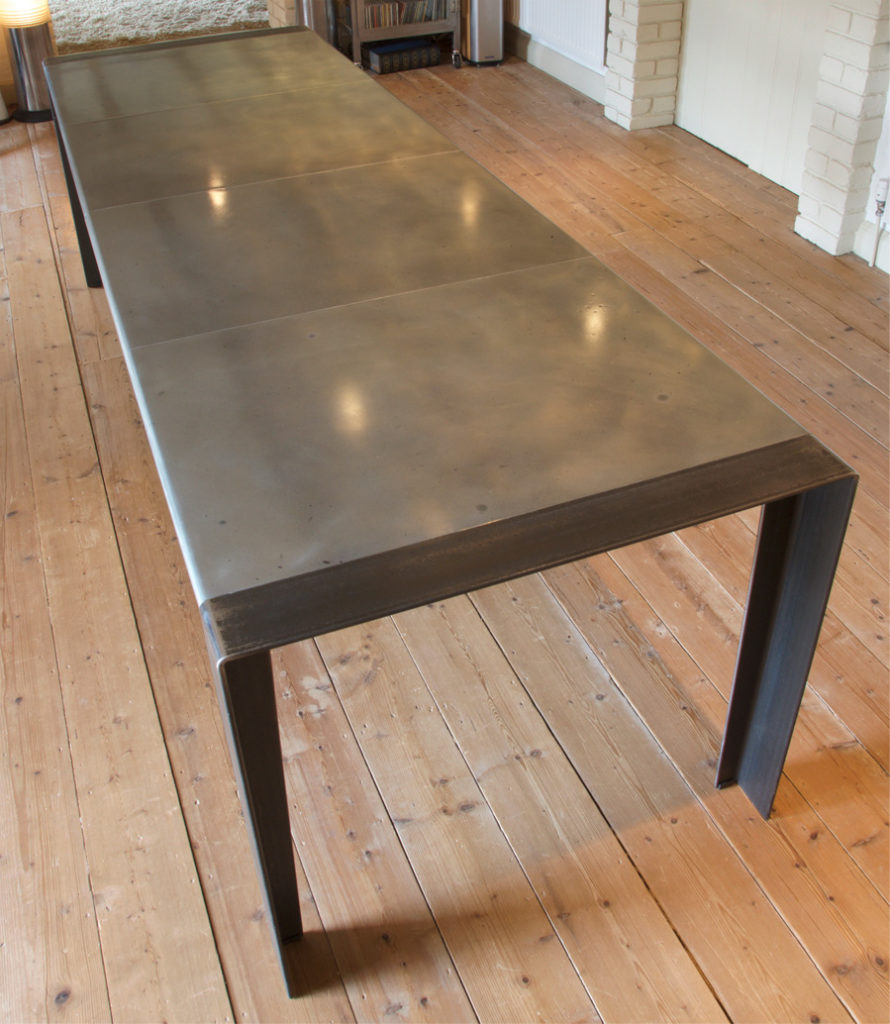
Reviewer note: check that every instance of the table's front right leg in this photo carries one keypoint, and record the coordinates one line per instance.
(798, 548)
(247, 700)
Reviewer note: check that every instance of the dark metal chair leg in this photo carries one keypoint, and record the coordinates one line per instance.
(247, 696)
(798, 547)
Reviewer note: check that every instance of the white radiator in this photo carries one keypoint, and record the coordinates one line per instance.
(573, 28)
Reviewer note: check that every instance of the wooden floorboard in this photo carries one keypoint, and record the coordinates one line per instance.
(502, 805)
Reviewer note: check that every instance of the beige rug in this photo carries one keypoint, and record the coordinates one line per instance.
(97, 24)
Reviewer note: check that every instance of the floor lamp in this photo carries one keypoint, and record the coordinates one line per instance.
(30, 41)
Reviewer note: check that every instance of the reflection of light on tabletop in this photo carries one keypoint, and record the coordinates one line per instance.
(595, 321)
(219, 199)
(469, 206)
(352, 413)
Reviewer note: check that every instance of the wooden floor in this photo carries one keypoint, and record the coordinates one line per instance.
(502, 805)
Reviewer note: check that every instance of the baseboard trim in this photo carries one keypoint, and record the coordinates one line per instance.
(590, 81)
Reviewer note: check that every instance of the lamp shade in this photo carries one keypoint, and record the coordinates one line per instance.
(24, 13)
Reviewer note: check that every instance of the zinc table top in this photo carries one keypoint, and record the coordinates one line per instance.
(349, 341)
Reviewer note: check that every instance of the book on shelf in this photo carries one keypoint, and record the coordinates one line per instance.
(386, 13)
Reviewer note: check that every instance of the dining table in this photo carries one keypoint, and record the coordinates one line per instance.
(373, 376)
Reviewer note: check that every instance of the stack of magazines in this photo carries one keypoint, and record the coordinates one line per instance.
(404, 55)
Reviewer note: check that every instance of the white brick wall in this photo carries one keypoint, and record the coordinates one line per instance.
(846, 125)
(642, 62)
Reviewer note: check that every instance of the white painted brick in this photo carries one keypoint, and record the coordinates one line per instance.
(850, 51)
(831, 69)
(860, 179)
(870, 8)
(619, 26)
(622, 31)
(808, 207)
(855, 79)
(622, 104)
(624, 86)
(819, 236)
(839, 175)
(653, 120)
(809, 182)
(822, 191)
(863, 153)
(656, 87)
(847, 128)
(620, 65)
(873, 105)
(832, 220)
(613, 81)
(870, 129)
(832, 202)
(838, 20)
(837, 98)
(659, 49)
(670, 30)
(660, 13)
(841, 151)
(664, 104)
(823, 117)
(642, 61)
(669, 68)
(816, 162)
(880, 58)
(615, 115)
(822, 141)
(869, 30)
(846, 238)
(810, 230)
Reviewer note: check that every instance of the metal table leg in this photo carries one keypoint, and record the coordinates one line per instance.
(87, 256)
(247, 697)
(798, 547)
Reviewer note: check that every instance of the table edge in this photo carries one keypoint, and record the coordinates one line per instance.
(275, 614)
(211, 37)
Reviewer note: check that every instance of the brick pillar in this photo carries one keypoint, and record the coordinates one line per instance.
(642, 62)
(850, 101)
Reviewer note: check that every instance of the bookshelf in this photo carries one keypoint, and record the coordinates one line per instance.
(360, 22)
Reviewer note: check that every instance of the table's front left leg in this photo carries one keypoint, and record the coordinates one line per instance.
(247, 700)
(798, 547)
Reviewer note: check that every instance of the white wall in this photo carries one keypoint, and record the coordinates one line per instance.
(748, 77)
(565, 38)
